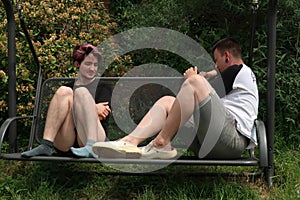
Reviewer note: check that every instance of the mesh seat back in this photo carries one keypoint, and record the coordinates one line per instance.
(138, 93)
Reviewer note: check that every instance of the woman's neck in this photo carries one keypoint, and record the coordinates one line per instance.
(84, 81)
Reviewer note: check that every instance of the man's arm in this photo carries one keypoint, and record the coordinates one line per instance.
(209, 75)
(193, 71)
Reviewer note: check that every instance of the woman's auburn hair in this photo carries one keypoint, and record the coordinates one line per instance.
(82, 50)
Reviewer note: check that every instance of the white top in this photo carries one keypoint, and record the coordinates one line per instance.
(242, 103)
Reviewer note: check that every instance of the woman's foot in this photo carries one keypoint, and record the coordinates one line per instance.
(85, 151)
(41, 150)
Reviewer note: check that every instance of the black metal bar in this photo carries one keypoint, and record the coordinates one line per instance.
(40, 78)
(271, 64)
(27, 36)
(187, 160)
(252, 34)
(12, 107)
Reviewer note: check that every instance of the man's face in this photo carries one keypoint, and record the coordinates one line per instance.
(89, 66)
(220, 60)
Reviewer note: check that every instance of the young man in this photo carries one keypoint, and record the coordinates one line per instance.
(230, 119)
(77, 113)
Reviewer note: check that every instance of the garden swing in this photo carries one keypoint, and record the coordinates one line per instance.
(264, 160)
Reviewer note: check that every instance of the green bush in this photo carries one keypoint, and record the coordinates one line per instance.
(288, 72)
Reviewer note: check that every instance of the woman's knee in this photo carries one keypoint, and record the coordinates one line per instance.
(80, 92)
(64, 91)
(83, 97)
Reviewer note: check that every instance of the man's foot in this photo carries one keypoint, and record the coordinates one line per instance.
(41, 150)
(116, 149)
(85, 151)
(151, 152)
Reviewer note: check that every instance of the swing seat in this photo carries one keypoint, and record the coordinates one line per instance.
(152, 91)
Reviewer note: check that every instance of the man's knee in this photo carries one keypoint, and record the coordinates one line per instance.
(198, 85)
(166, 100)
(196, 81)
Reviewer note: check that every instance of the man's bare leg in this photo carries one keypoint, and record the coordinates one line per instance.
(152, 122)
(194, 90)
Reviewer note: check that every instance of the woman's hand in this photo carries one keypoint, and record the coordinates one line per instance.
(103, 110)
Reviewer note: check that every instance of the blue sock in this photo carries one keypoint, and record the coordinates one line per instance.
(85, 151)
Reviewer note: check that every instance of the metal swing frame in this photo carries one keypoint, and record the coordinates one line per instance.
(11, 126)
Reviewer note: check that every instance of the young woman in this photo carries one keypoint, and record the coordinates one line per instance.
(77, 114)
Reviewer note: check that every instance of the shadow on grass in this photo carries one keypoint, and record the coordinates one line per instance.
(73, 180)
(55, 180)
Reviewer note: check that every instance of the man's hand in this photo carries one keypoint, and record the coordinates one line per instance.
(103, 110)
(209, 75)
(190, 72)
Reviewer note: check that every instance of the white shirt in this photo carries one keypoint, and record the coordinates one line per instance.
(242, 103)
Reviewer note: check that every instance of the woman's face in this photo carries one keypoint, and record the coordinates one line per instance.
(88, 67)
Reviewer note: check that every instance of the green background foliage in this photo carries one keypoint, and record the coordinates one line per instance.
(55, 26)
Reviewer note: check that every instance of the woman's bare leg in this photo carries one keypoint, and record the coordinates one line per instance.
(59, 127)
(88, 126)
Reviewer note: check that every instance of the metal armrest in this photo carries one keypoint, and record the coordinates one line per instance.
(5, 126)
(252, 153)
(263, 144)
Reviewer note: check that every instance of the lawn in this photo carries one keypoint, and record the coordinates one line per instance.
(46, 180)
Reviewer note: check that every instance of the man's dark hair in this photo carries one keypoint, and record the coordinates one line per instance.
(228, 44)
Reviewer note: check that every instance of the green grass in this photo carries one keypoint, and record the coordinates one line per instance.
(53, 180)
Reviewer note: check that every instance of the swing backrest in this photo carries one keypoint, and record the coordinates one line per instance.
(140, 102)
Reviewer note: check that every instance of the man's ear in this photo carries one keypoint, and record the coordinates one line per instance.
(227, 56)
